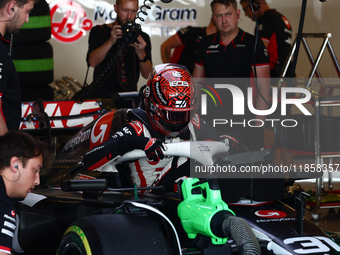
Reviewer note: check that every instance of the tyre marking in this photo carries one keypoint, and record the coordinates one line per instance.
(82, 237)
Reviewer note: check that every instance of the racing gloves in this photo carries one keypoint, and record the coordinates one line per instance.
(235, 146)
(152, 147)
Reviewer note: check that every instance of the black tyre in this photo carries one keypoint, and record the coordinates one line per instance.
(38, 29)
(34, 63)
(114, 234)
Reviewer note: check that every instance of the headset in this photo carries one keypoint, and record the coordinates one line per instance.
(256, 5)
(12, 9)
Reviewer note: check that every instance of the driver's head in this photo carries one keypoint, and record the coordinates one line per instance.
(170, 96)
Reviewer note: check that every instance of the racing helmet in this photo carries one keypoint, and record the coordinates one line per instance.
(170, 96)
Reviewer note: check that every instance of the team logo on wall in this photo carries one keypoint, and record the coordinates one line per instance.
(69, 21)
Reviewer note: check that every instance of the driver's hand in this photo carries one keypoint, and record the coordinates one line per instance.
(235, 146)
(152, 147)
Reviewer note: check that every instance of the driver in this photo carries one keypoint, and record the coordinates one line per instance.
(165, 116)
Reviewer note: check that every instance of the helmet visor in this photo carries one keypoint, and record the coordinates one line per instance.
(174, 116)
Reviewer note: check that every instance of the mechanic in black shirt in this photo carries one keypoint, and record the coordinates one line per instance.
(229, 54)
(103, 41)
(21, 159)
(166, 116)
(13, 15)
(185, 43)
(275, 32)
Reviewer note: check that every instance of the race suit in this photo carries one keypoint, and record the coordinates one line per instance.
(143, 171)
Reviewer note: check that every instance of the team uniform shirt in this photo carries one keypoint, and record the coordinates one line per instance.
(10, 91)
(275, 29)
(144, 172)
(125, 75)
(232, 61)
(7, 220)
(190, 38)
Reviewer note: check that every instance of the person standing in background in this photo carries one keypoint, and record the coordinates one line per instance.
(13, 15)
(103, 44)
(275, 32)
(229, 54)
(185, 43)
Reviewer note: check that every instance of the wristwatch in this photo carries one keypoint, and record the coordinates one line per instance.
(144, 59)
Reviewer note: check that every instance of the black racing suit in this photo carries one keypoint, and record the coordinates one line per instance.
(143, 171)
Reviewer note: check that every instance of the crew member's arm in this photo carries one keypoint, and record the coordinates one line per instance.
(3, 126)
(263, 81)
(145, 64)
(198, 71)
(170, 43)
(99, 54)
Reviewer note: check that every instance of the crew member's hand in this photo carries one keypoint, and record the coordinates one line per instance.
(235, 145)
(116, 33)
(152, 147)
(140, 47)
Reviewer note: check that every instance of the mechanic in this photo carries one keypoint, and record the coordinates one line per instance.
(21, 159)
(275, 32)
(103, 44)
(229, 54)
(165, 116)
(185, 43)
(13, 15)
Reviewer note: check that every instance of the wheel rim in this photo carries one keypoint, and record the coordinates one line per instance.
(72, 249)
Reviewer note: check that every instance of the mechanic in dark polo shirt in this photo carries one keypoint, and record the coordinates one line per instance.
(229, 54)
(21, 159)
(275, 32)
(13, 15)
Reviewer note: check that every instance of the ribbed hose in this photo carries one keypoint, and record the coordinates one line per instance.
(240, 232)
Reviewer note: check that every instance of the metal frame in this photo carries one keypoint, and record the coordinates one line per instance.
(319, 102)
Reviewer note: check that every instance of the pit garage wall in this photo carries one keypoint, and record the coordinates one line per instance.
(72, 20)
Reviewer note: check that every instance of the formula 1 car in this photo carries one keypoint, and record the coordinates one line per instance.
(76, 211)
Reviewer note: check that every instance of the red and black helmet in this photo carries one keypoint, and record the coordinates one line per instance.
(170, 96)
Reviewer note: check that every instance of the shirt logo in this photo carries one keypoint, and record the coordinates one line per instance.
(239, 45)
(213, 46)
(286, 22)
(212, 51)
(1, 64)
